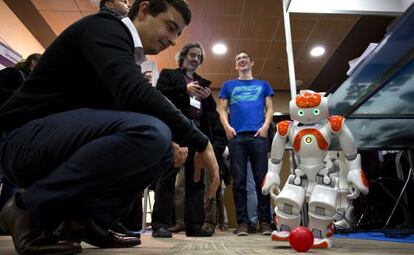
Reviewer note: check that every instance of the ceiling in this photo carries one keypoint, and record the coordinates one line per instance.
(252, 25)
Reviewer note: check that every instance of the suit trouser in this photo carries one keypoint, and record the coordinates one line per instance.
(85, 162)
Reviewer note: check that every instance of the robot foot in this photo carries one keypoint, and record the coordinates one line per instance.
(323, 243)
(280, 235)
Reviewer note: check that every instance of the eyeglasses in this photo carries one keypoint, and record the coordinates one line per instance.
(244, 57)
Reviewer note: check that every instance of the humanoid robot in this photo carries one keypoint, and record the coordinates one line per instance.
(311, 182)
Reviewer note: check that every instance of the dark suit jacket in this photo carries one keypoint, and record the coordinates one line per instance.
(91, 65)
(173, 85)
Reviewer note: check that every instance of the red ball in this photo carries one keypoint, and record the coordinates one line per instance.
(301, 239)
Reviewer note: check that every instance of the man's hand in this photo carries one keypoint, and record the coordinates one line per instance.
(230, 132)
(263, 131)
(180, 155)
(207, 159)
(194, 89)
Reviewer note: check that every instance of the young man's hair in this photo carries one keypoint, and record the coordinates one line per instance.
(243, 51)
(102, 3)
(184, 51)
(158, 6)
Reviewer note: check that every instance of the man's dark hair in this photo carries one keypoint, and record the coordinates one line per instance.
(185, 49)
(103, 2)
(25, 64)
(158, 6)
(243, 51)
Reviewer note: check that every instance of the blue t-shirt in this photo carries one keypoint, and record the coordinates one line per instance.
(247, 100)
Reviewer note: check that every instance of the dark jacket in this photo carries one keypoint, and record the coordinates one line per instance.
(10, 79)
(91, 65)
(173, 85)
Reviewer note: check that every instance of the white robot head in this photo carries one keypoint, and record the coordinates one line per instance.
(309, 107)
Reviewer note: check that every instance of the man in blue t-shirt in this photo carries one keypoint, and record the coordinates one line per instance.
(248, 102)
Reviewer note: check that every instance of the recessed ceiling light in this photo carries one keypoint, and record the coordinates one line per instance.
(219, 48)
(317, 51)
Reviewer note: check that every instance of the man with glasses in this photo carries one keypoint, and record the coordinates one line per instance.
(248, 101)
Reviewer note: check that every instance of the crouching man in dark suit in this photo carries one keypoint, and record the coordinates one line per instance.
(86, 132)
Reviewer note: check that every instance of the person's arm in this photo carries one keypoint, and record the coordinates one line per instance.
(264, 129)
(224, 118)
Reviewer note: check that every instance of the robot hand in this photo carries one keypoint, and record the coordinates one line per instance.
(357, 183)
(272, 177)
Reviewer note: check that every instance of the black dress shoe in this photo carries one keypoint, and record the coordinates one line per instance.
(27, 238)
(123, 231)
(161, 232)
(199, 232)
(88, 231)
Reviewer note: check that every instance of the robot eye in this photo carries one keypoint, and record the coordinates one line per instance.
(316, 111)
(301, 113)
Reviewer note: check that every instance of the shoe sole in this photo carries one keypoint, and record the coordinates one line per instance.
(242, 234)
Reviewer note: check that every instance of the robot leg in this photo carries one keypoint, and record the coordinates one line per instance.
(322, 209)
(288, 209)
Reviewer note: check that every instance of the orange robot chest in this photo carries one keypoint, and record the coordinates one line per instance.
(308, 136)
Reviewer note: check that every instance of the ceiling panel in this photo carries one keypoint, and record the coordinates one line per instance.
(263, 8)
(258, 49)
(59, 20)
(276, 67)
(308, 67)
(302, 27)
(193, 32)
(258, 27)
(278, 49)
(231, 52)
(55, 5)
(87, 5)
(252, 25)
(223, 27)
(217, 66)
(222, 7)
(330, 47)
(196, 6)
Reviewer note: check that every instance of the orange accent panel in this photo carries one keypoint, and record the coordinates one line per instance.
(283, 127)
(308, 99)
(276, 238)
(322, 143)
(336, 122)
(364, 179)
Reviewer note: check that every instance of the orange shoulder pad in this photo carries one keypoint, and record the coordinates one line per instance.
(283, 127)
(336, 122)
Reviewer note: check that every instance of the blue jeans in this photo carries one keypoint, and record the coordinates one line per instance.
(243, 147)
(85, 162)
(251, 196)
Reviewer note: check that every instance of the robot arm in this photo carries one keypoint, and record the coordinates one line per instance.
(275, 162)
(356, 177)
